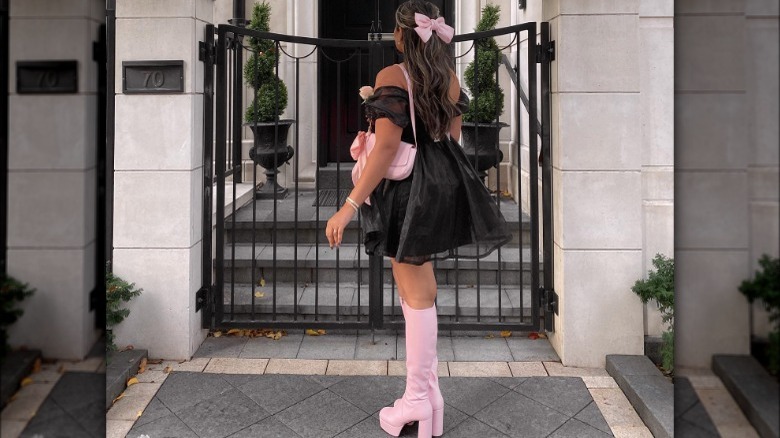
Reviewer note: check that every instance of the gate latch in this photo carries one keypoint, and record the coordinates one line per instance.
(545, 53)
(206, 52)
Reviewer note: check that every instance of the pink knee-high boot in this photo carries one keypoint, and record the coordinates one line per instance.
(414, 405)
(434, 394)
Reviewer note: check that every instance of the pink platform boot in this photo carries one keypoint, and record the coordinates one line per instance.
(414, 405)
(434, 394)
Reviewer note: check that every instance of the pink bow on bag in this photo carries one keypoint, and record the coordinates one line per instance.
(426, 26)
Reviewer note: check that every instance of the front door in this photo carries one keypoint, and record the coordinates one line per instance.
(343, 71)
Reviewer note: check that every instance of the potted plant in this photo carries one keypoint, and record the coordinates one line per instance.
(659, 286)
(765, 287)
(263, 113)
(480, 130)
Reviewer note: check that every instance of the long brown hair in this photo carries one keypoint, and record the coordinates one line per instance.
(429, 65)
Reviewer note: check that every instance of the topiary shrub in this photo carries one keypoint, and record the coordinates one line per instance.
(488, 98)
(659, 286)
(765, 287)
(260, 71)
(12, 292)
(118, 291)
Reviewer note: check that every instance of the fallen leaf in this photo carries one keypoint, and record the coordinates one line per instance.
(542, 335)
(139, 414)
(533, 335)
(312, 332)
(37, 365)
(259, 294)
(142, 367)
(154, 361)
(489, 336)
(262, 282)
(233, 330)
(167, 369)
(217, 334)
(132, 381)
(26, 381)
(506, 333)
(118, 397)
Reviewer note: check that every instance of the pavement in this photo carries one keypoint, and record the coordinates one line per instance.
(334, 386)
(242, 387)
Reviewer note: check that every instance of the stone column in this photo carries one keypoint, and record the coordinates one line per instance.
(597, 179)
(52, 178)
(761, 64)
(158, 179)
(711, 158)
(656, 118)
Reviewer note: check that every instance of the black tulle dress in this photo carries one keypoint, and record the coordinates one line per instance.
(442, 209)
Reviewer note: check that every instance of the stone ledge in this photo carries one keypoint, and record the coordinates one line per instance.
(120, 366)
(649, 391)
(754, 390)
(17, 365)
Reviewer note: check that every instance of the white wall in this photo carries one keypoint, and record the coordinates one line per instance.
(726, 137)
(52, 179)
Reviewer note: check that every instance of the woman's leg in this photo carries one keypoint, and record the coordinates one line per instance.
(416, 284)
(434, 393)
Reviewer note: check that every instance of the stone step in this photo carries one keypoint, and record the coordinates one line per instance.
(329, 173)
(353, 299)
(753, 388)
(260, 221)
(319, 263)
(650, 392)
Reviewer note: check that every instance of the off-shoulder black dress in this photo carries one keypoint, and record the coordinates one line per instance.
(441, 209)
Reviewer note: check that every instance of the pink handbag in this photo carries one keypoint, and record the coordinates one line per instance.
(401, 166)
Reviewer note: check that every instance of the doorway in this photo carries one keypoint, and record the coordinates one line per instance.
(351, 69)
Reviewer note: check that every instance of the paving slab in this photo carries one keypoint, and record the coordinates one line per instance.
(690, 416)
(754, 390)
(327, 406)
(74, 407)
(649, 391)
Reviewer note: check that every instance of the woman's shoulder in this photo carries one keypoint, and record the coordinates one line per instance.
(390, 76)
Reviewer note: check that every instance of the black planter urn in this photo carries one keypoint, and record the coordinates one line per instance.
(481, 147)
(265, 153)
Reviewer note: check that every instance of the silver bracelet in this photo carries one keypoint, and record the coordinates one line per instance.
(353, 204)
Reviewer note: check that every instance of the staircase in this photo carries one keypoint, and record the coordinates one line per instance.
(311, 281)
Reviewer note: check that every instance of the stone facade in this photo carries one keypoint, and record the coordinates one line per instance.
(726, 159)
(52, 178)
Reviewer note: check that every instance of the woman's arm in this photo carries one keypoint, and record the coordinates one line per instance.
(388, 140)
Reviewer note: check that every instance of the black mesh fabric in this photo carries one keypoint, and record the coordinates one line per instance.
(441, 208)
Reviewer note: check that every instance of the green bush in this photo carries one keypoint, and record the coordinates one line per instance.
(12, 292)
(659, 286)
(118, 291)
(488, 98)
(260, 71)
(765, 287)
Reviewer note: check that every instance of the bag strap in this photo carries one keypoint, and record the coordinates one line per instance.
(411, 100)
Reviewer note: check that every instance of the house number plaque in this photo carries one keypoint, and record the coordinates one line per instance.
(42, 77)
(145, 77)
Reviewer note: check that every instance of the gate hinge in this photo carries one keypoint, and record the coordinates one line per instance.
(207, 52)
(545, 53)
(549, 300)
(202, 298)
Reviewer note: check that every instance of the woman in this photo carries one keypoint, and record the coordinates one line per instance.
(441, 210)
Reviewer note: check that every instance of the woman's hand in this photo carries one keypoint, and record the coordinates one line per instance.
(334, 229)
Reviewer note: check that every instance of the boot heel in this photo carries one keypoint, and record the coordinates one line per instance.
(424, 428)
(437, 427)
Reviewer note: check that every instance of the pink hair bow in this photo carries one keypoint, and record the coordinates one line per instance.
(426, 26)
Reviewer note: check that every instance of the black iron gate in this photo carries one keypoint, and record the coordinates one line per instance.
(266, 260)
